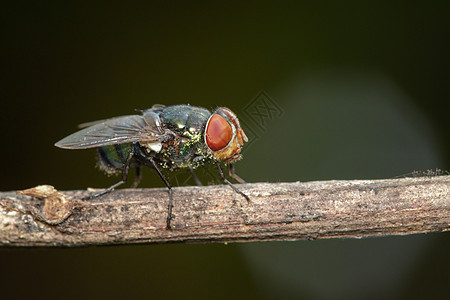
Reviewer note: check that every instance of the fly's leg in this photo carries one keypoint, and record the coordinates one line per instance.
(138, 178)
(229, 183)
(197, 181)
(234, 175)
(170, 206)
(125, 169)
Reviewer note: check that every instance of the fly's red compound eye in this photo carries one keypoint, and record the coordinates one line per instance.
(218, 133)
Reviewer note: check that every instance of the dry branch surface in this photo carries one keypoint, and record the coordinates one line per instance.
(277, 211)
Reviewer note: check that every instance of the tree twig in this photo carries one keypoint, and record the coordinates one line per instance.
(277, 211)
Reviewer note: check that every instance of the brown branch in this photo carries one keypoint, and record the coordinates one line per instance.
(277, 211)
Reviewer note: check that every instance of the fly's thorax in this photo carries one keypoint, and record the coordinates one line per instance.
(184, 150)
(183, 119)
(185, 147)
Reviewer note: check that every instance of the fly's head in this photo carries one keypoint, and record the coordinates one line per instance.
(224, 135)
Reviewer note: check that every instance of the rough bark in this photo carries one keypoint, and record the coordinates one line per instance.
(277, 211)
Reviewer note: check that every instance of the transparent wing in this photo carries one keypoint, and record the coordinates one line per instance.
(126, 129)
(92, 123)
(155, 107)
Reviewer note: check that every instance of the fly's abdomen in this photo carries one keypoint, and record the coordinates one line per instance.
(111, 159)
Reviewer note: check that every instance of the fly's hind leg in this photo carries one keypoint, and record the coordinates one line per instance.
(224, 179)
(125, 170)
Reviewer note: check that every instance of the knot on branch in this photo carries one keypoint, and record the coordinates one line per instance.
(57, 207)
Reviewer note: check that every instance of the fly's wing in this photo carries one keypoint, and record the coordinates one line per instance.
(92, 123)
(155, 107)
(126, 129)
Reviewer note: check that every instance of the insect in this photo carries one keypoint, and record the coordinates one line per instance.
(163, 138)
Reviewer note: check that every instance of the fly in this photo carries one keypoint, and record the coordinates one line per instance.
(163, 138)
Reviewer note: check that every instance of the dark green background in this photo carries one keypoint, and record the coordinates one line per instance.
(364, 89)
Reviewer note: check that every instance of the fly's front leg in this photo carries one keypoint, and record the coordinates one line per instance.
(170, 206)
(224, 179)
(125, 170)
(234, 175)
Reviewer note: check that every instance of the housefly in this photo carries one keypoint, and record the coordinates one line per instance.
(163, 138)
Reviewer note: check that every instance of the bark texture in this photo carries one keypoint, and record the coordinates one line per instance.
(42, 216)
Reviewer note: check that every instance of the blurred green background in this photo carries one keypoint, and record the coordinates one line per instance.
(364, 91)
